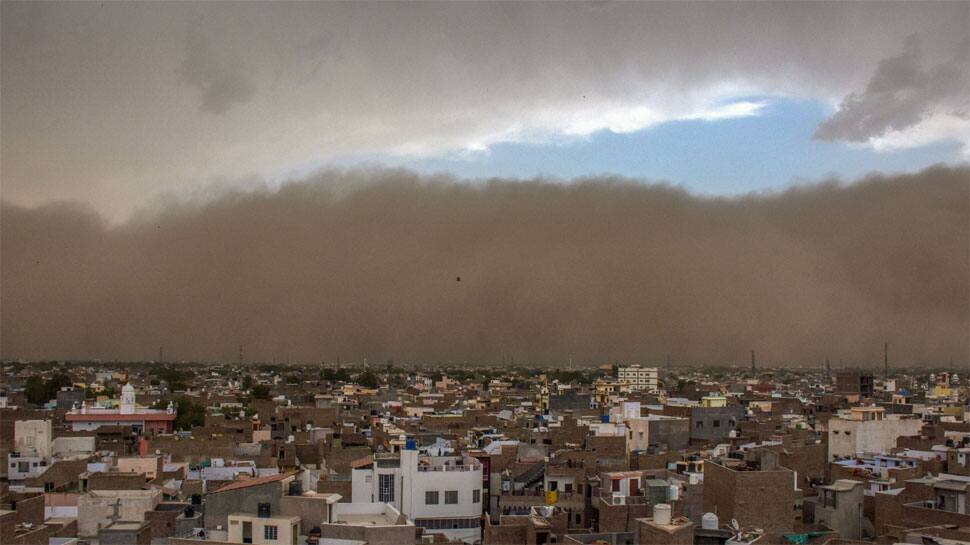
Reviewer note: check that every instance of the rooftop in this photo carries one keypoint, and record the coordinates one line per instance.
(246, 483)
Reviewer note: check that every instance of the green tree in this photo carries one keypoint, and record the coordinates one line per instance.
(260, 391)
(40, 391)
(36, 391)
(188, 413)
(368, 379)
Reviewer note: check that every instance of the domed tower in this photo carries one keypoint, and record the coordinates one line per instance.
(128, 399)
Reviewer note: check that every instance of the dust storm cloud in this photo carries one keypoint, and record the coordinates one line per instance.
(365, 263)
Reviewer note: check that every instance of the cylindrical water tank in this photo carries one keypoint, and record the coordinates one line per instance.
(661, 513)
(709, 521)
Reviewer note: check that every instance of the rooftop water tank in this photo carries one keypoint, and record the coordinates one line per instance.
(709, 521)
(661, 513)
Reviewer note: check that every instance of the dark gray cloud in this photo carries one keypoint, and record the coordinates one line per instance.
(903, 92)
(221, 84)
(101, 101)
(364, 264)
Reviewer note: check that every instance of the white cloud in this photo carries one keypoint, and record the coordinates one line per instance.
(937, 128)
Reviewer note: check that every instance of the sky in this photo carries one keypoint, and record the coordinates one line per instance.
(609, 180)
(124, 105)
(770, 151)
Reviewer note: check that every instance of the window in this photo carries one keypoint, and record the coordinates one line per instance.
(717, 423)
(699, 424)
(569, 487)
(431, 497)
(385, 490)
(476, 496)
(451, 497)
(270, 532)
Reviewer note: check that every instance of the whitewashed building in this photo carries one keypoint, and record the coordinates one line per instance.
(640, 378)
(442, 494)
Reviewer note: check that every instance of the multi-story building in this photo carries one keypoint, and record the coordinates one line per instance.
(757, 495)
(854, 383)
(442, 494)
(868, 430)
(639, 378)
(838, 506)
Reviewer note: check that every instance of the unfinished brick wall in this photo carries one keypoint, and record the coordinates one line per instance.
(757, 499)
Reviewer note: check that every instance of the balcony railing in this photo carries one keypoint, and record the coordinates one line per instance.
(619, 499)
(472, 467)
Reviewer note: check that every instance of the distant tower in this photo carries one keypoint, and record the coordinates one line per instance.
(128, 399)
(828, 366)
(240, 355)
(752, 362)
(885, 359)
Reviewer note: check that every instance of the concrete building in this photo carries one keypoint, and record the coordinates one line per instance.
(373, 523)
(838, 506)
(33, 438)
(125, 533)
(854, 383)
(867, 430)
(640, 378)
(657, 431)
(714, 423)
(98, 509)
(68, 447)
(245, 496)
(538, 526)
(263, 529)
(440, 494)
(151, 466)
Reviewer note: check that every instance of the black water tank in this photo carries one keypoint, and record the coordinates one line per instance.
(262, 510)
(296, 488)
